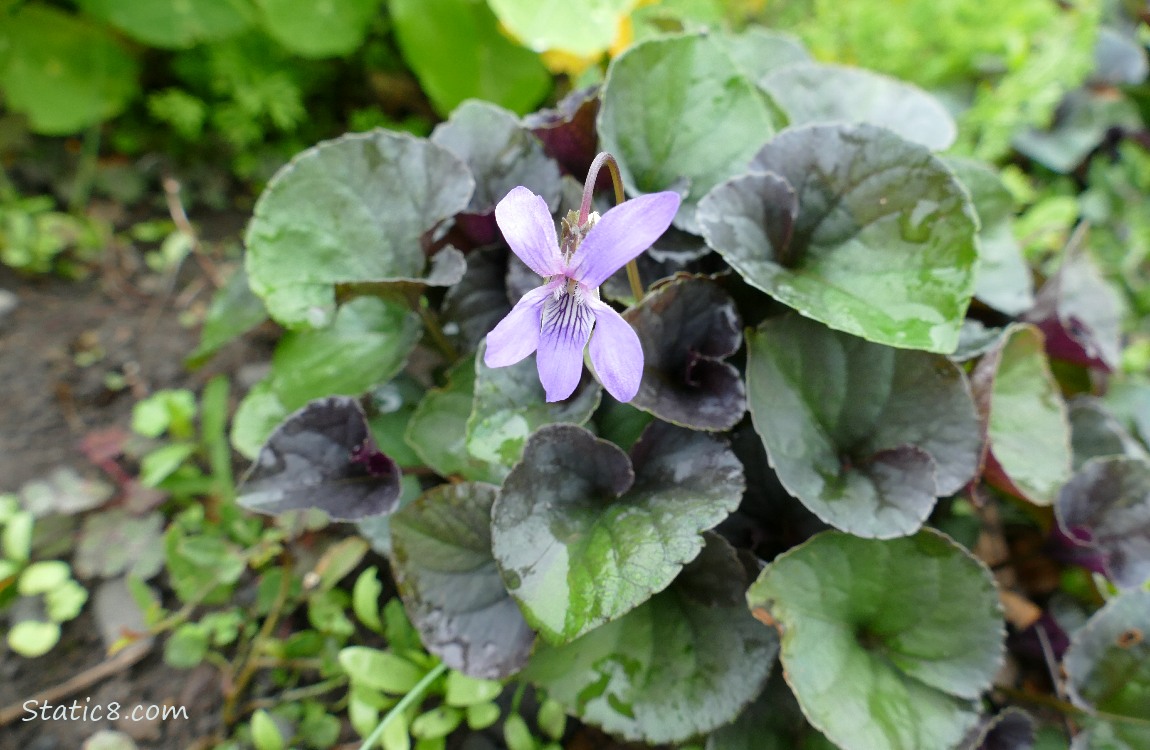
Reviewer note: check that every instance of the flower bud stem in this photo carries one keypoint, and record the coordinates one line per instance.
(585, 209)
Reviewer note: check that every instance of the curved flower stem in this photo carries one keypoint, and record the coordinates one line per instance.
(415, 694)
(585, 209)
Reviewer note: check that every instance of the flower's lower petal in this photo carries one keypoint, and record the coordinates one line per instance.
(517, 335)
(527, 226)
(616, 353)
(623, 232)
(566, 326)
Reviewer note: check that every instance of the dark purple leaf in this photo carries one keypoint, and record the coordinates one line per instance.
(568, 132)
(717, 577)
(1012, 729)
(479, 301)
(675, 251)
(1095, 432)
(451, 587)
(323, 456)
(1106, 506)
(687, 327)
(1079, 314)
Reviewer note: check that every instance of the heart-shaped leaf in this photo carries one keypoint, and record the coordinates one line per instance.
(1079, 314)
(886, 644)
(441, 556)
(510, 404)
(883, 245)
(688, 327)
(812, 93)
(1108, 670)
(584, 534)
(757, 51)
(353, 210)
(772, 722)
(1003, 279)
(666, 671)
(323, 456)
(437, 431)
(501, 155)
(689, 142)
(866, 436)
(1027, 431)
(1106, 506)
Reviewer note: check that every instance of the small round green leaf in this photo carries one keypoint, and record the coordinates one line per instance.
(463, 691)
(1108, 670)
(812, 93)
(379, 670)
(866, 436)
(510, 404)
(679, 115)
(65, 73)
(319, 29)
(1106, 505)
(451, 587)
(1028, 432)
(173, 25)
(583, 533)
(666, 671)
(32, 638)
(687, 328)
(353, 210)
(41, 577)
(886, 644)
(883, 245)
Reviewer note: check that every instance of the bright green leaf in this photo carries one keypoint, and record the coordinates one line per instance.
(379, 670)
(32, 638)
(41, 577)
(65, 73)
(580, 27)
(886, 644)
(365, 598)
(265, 734)
(466, 691)
(457, 51)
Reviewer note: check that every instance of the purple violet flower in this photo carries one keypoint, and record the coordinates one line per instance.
(556, 319)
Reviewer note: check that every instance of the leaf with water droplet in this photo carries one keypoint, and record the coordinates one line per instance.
(883, 246)
(584, 532)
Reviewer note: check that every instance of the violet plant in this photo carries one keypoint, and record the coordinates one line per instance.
(829, 362)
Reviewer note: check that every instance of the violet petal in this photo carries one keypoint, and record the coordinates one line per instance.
(623, 232)
(566, 326)
(616, 353)
(527, 226)
(517, 335)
